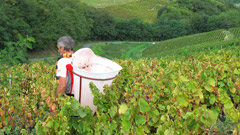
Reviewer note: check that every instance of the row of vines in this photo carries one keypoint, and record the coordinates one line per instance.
(196, 49)
(235, 32)
(180, 42)
(149, 96)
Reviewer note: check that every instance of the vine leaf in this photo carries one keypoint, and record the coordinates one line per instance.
(208, 88)
(211, 81)
(144, 107)
(123, 108)
(140, 119)
(212, 99)
(182, 101)
(49, 124)
(184, 79)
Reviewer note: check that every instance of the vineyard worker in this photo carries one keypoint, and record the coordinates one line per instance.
(63, 71)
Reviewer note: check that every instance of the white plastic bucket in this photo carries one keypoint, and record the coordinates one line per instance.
(88, 67)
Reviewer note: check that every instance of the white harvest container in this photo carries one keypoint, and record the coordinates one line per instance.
(88, 67)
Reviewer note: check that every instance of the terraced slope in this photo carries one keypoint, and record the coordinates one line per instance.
(145, 10)
(168, 47)
(235, 32)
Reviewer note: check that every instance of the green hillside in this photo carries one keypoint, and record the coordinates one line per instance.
(178, 47)
(145, 10)
(150, 10)
(166, 47)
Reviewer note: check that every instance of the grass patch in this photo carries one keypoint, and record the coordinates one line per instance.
(136, 52)
(238, 5)
(119, 50)
(105, 3)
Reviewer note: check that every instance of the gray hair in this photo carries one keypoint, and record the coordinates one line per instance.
(66, 42)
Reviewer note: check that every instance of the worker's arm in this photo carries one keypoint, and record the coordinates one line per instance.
(61, 86)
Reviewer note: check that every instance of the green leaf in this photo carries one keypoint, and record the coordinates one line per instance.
(182, 100)
(154, 114)
(140, 130)
(187, 115)
(228, 105)
(126, 125)
(200, 94)
(31, 39)
(75, 104)
(24, 132)
(236, 71)
(164, 118)
(144, 107)
(184, 79)
(68, 103)
(28, 45)
(236, 98)
(221, 83)
(208, 88)
(56, 126)
(203, 76)
(161, 107)
(49, 124)
(192, 125)
(192, 87)
(123, 108)
(82, 114)
(212, 99)
(20, 37)
(140, 119)
(211, 81)
(114, 125)
(113, 111)
(213, 115)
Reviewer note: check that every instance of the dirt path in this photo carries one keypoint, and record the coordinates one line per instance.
(84, 46)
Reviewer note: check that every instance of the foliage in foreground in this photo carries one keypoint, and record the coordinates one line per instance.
(154, 96)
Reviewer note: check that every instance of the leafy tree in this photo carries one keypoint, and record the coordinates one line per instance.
(169, 13)
(16, 52)
(12, 22)
(207, 7)
(199, 23)
(147, 32)
(184, 4)
(224, 20)
(4, 27)
(169, 29)
(128, 29)
(104, 27)
(233, 1)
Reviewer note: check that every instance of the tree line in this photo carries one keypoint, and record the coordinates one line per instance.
(47, 20)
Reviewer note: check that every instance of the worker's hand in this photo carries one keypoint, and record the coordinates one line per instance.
(61, 86)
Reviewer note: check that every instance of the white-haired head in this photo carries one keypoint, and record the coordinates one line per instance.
(66, 42)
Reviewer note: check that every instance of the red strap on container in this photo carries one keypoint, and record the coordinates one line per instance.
(70, 69)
